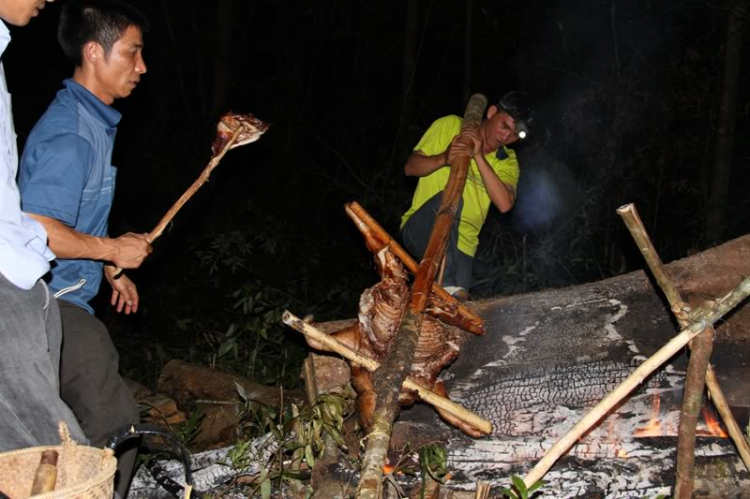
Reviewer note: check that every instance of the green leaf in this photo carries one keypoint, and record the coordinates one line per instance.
(241, 391)
(227, 347)
(309, 457)
(536, 486)
(521, 486)
(265, 484)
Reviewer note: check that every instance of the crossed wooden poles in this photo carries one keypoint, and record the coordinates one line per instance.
(692, 325)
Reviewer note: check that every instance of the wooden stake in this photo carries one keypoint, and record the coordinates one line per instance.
(371, 365)
(387, 380)
(483, 490)
(468, 320)
(722, 307)
(634, 224)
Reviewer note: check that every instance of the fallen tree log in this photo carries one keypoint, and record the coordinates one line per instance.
(549, 356)
(189, 382)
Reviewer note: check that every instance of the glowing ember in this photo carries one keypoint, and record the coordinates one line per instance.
(714, 428)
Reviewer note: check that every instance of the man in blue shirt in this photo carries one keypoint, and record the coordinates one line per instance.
(30, 332)
(67, 183)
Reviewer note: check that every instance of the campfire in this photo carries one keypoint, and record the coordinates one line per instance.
(539, 371)
(541, 396)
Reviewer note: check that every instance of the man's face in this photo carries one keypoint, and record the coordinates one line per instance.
(118, 73)
(499, 129)
(20, 12)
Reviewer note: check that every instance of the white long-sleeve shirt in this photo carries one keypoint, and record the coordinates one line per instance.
(24, 255)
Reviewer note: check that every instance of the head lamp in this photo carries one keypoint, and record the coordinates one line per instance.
(517, 106)
(522, 130)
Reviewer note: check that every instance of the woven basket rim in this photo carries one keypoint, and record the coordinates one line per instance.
(105, 474)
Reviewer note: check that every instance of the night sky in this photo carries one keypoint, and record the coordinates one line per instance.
(626, 96)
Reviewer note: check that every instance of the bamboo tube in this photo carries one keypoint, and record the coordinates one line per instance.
(45, 476)
(722, 307)
(471, 323)
(424, 394)
(634, 224)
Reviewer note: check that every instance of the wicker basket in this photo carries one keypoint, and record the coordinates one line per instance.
(82, 472)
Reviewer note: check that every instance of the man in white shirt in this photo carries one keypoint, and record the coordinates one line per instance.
(30, 332)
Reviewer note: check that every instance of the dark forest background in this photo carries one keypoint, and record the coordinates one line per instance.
(627, 97)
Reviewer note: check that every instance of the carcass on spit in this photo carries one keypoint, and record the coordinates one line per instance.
(381, 308)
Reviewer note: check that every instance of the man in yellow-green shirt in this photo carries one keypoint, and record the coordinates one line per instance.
(492, 178)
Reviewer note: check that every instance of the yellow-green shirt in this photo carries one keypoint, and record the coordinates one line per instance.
(476, 200)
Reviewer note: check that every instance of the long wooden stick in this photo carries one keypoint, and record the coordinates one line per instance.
(634, 224)
(722, 307)
(469, 321)
(387, 380)
(426, 395)
(700, 353)
(202, 179)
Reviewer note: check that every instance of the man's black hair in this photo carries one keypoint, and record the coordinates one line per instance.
(518, 106)
(100, 21)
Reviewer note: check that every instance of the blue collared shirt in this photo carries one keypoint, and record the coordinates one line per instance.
(24, 253)
(66, 173)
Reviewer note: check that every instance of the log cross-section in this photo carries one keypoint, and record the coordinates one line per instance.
(387, 380)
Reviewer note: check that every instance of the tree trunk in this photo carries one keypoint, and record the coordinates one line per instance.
(716, 209)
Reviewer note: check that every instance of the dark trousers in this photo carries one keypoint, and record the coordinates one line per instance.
(416, 235)
(92, 386)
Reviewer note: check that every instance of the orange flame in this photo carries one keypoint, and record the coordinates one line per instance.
(653, 427)
(714, 428)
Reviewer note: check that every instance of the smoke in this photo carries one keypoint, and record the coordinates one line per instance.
(545, 192)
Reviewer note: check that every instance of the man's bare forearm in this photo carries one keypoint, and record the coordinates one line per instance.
(126, 251)
(421, 165)
(67, 243)
(500, 193)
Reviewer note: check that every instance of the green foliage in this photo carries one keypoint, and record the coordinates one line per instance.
(433, 462)
(519, 490)
(324, 418)
(187, 432)
(299, 434)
